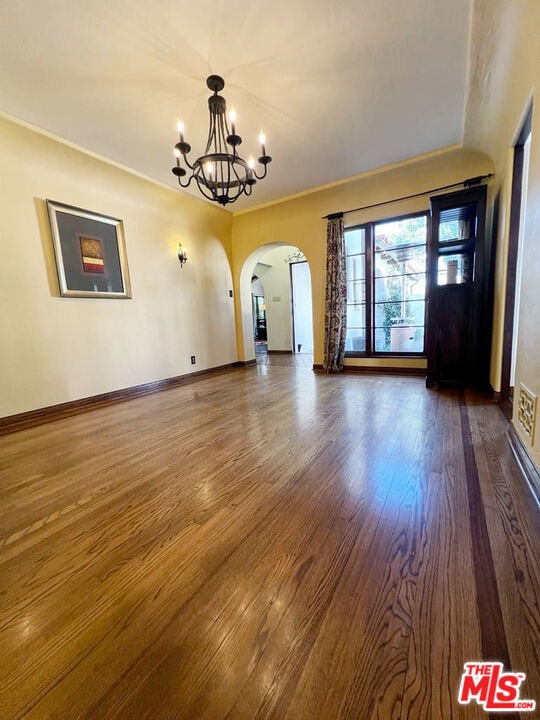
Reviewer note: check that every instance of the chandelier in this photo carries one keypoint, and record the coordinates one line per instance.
(221, 174)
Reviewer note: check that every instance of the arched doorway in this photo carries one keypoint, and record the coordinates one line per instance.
(281, 273)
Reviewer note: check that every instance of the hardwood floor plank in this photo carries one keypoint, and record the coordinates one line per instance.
(445, 629)
(513, 528)
(263, 544)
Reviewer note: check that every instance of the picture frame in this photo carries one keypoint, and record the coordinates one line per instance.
(90, 253)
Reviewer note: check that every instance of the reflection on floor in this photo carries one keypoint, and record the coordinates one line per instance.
(289, 360)
(316, 547)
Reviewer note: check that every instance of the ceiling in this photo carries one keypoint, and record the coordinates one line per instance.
(339, 86)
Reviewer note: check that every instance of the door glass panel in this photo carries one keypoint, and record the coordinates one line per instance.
(454, 269)
(457, 223)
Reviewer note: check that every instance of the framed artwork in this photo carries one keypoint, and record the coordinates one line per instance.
(90, 253)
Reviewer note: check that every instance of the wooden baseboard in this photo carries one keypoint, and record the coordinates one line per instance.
(29, 419)
(369, 369)
(279, 352)
(529, 470)
(417, 372)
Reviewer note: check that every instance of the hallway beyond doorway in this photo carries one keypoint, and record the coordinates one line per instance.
(263, 357)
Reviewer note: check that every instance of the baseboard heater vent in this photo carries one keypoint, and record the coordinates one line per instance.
(527, 412)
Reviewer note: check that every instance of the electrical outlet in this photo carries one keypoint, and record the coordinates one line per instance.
(193, 359)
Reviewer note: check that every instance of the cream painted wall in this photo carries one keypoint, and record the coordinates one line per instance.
(57, 349)
(299, 222)
(505, 74)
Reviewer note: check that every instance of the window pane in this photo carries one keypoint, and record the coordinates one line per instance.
(356, 291)
(398, 283)
(355, 241)
(392, 313)
(356, 316)
(400, 261)
(356, 340)
(356, 267)
(393, 233)
(399, 339)
(400, 288)
(355, 248)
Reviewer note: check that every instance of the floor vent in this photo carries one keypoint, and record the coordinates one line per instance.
(527, 412)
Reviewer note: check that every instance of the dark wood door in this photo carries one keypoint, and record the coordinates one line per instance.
(451, 307)
(458, 309)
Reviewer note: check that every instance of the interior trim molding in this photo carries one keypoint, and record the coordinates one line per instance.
(32, 418)
(279, 352)
(377, 370)
(385, 370)
(528, 469)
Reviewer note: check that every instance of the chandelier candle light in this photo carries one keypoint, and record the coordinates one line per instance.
(222, 175)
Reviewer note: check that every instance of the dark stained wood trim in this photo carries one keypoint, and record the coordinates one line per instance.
(493, 636)
(417, 372)
(528, 469)
(513, 244)
(511, 271)
(377, 370)
(369, 234)
(32, 418)
(279, 352)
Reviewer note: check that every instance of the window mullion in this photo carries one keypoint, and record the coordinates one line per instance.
(369, 233)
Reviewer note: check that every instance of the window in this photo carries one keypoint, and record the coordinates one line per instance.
(386, 314)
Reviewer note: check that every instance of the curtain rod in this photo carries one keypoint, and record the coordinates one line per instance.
(466, 183)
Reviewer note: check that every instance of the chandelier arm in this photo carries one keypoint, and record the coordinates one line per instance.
(187, 184)
(190, 166)
(261, 177)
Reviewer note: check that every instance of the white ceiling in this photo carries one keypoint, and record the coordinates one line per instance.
(339, 86)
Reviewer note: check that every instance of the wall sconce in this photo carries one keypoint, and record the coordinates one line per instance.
(182, 254)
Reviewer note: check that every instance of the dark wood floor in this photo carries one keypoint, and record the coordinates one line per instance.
(268, 543)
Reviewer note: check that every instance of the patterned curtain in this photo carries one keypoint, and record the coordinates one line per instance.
(335, 321)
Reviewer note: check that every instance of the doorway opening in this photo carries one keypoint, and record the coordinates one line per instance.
(302, 313)
(258, 312)
(280, 306)
(520, 174)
